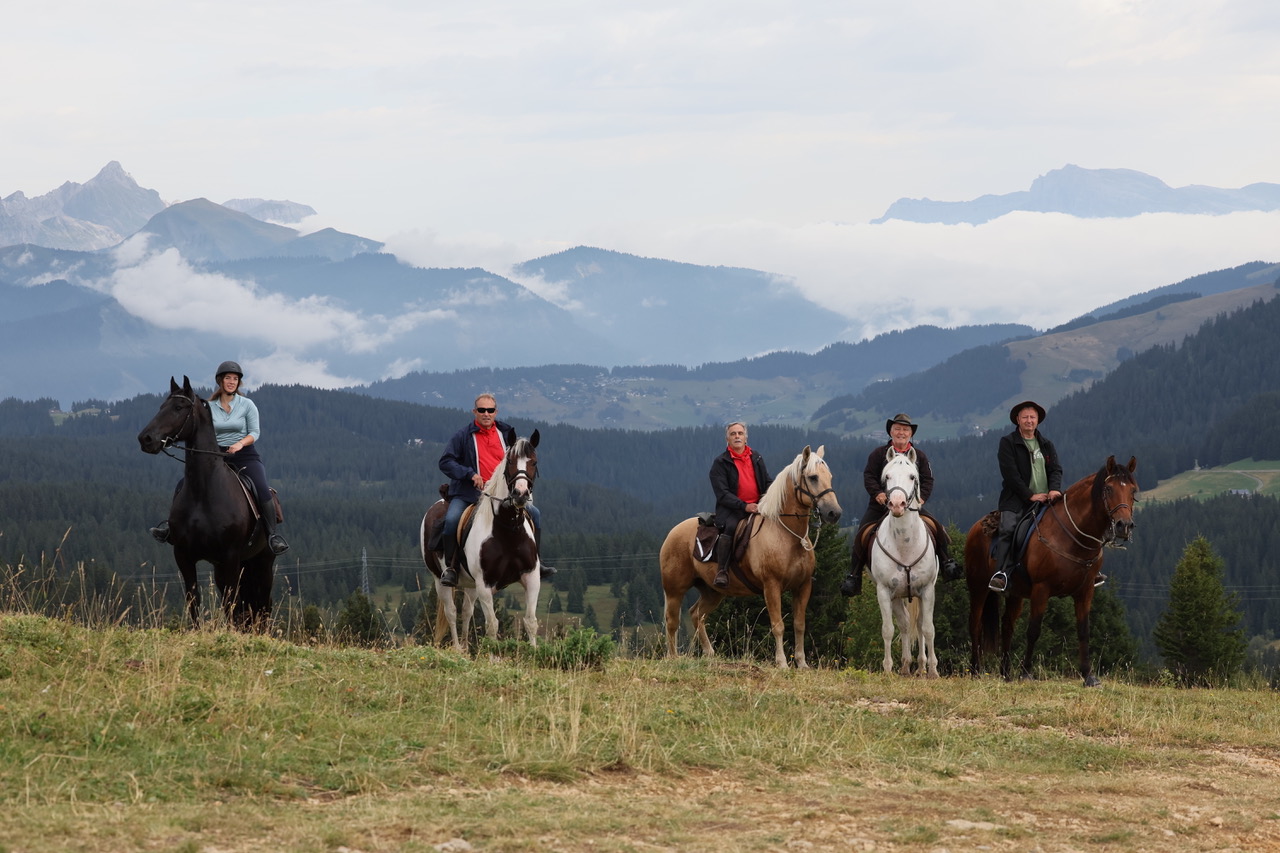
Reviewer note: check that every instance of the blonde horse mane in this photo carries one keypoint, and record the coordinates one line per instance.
(770, 505)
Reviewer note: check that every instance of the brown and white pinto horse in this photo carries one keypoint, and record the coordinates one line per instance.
(778, 558)
(1062, 557)
(500, 548)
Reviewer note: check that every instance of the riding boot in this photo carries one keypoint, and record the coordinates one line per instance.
(724, 552)
(274, 540)
(544, 571)
(951, 570)
(851, 586)
(449, 577)
(1000, 580)
(160, 532)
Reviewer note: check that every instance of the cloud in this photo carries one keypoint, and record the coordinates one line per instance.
(1033, 268)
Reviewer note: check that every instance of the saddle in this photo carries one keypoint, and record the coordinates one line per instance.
(704, 545)
(254, 504)
(1027, 522)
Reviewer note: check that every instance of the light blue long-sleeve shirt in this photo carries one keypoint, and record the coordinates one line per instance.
(241, 421)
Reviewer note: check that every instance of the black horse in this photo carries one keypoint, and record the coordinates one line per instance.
(211, 518)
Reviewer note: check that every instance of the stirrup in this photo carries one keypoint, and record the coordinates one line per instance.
(160, 533)
(277, 544)
(449, 577)
(999, 582)
(1100, 579)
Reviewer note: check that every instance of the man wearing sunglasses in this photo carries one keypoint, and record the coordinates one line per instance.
(469, 460)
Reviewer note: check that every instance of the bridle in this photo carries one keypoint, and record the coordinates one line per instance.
(1110, 537)
(801, 491)
(176, 435)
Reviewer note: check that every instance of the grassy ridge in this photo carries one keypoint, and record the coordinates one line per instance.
(190, 740)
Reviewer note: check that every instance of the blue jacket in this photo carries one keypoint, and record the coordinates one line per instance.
(460, 463)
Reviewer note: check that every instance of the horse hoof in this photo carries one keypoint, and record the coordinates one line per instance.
(1092, 681)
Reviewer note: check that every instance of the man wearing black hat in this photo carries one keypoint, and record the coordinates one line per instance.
(901, 430)
(1031, 475)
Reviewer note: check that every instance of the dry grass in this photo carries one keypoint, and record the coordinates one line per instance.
(204, 740)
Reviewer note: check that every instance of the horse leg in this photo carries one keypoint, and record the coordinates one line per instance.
(468, 613)
(1012, 610)
(902, 614)
(531, 582)
(672, 614)
(773, 603)
(485, 596)
(928, 652)
(1035, 621)
(191, 589)
(984, 607)
(885, 598)
(799, 606)
(1083, 605)
(446, 615)
(708, 600)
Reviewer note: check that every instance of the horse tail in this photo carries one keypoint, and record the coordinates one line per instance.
(991, 622)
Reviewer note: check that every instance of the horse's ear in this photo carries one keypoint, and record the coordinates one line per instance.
(1111, 464)
(1133, 464)
(533, 439)
(186, 385)
(173, 386)
(911, 454)
(821, 451)
(804, 456)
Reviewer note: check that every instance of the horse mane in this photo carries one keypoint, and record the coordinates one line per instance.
(770, 505)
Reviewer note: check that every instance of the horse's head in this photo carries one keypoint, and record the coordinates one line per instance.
(521, 469)
(1116, 490)
(176, 420)
(813, 485)
(900, 479)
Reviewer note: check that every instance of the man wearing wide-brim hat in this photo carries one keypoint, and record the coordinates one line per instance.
(1030, 474)
(901, 432)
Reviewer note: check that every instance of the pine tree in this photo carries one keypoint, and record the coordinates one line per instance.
(1199, 634)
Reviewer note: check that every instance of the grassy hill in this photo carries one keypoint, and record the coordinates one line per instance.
(127, 739)
(1258, 476)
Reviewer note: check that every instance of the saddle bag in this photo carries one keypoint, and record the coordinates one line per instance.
(705, 536)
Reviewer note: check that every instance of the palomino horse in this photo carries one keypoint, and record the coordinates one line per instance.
(500, 548)
(905, 567)
(211, 518)
(1063, 556)
(779, 557)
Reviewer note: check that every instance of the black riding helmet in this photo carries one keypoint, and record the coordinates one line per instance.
(228, 367)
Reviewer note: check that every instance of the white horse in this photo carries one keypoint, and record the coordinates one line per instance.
(500, 549)
(905, 567)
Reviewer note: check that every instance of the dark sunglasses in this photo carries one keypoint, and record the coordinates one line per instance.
(486, 411)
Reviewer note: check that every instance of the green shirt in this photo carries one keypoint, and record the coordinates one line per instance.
(1039, 479)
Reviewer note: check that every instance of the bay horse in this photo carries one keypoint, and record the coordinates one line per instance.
(500, 548)
(1063, 557)
(779, 557)
(905, 567)
(211, 518)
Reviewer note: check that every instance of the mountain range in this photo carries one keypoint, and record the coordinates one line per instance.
(153, 289)
(1089, 193)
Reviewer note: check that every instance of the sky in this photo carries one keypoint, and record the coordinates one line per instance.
(747, 134)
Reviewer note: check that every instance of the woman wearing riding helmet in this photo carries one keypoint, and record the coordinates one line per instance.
(235, 423)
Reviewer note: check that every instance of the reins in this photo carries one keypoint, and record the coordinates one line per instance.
(1108, 540)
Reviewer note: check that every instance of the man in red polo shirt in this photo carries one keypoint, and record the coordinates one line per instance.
(739, 479)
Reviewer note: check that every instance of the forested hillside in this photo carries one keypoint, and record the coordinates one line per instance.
(356, 474)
